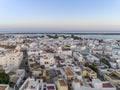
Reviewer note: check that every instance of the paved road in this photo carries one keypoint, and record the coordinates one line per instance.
(24, 61)
(24, 65)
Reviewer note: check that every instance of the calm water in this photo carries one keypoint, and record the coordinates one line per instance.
(115, 37)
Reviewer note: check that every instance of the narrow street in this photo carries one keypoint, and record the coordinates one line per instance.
(24, 61)
(24, 65)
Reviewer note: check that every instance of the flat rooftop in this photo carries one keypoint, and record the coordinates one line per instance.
(114, 75)
(3, 87)
(30, 84)
(79, 81)
(104, 85)
(68, 71)
(90, 71)
(62, 82)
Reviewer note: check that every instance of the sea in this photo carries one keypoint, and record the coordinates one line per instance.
(93, 35)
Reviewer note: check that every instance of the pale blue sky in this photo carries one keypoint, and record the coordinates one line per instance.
(60, 14)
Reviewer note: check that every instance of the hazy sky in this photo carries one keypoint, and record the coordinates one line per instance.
(60, 14)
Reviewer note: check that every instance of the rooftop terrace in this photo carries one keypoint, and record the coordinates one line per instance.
(62, 82)
(68, 71)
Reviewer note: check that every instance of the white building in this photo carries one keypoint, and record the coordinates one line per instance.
(16, 76)
(4, 87)
(11, 59)
(31, 84)
(37, 84)
(68, 60)
(113, 65)
(118, 63)
(78, 56)
(47, 61)
(96, 84)
(93, 59)
(103, 69)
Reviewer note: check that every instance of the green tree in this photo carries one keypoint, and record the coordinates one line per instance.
(4, 78)
(74, 37)
(56, 36)
(64, 36)
(103, 60)
(91, 66)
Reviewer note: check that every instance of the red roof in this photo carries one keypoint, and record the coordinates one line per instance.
(62, 62)
(107, 85)
(50, 88)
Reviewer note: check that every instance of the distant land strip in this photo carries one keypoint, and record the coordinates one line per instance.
(71, 33)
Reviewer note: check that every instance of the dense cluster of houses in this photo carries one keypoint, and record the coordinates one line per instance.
(60, 63)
